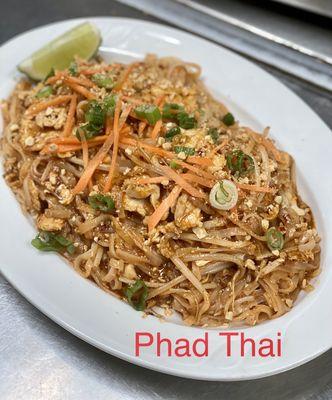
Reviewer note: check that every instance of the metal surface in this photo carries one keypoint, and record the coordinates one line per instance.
(236, 33)
(41, 361)
(322, 7)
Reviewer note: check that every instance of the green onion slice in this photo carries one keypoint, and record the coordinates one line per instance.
(73, 69)
(224, 195)
(49, 241)
(274, 239)
(213, 132)
(186, 121)
(188, 151)
(149, 112)
(103, 81)
(171, 133)
(50, 74)
(174, 165)
(228, 119)
(239, 162)
(137, 294)
(44, 92)
(170, 110)
(101, 202)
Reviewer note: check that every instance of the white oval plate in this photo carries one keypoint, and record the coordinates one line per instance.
(78, 305)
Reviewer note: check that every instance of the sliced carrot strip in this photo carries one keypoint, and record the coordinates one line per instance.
(171, 174)
(70, 117)
(197, 179)
(95, 161)
(124, 77)
(164, 206)
(81, 90)
(43, 105)
(109, 178)
(254, 188)
(204, 161)
(83, 81)
(153, 179)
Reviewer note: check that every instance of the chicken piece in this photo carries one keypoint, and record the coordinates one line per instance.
(186, 215)
(135, 205)
(143, 191)
(49, 224)
(64, 194)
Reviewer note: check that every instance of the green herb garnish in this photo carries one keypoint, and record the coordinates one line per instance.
(149, 112)
(186, 121)
(239, 162)
(101, 202)
(50, 74)
(274, 239)
(171, 133)
(49, 241)
(228, 119)
(94, 121)
(137, 294)
(73, 69)
(188, 151)
(44, 92)
(174, 165)
(103, 81)
(213, 132)
(170, 110)
(109, 104)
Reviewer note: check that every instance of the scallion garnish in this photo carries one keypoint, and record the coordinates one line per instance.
(188, 151)
(101, 202)
(137, 294)
(73, 69)
(274, 239)
(49, 241)
(50, 74)
(175, 112)
(228, 119)
(94, 121)
(149, 112)
(174, 165)
(170, 110)
(186, 121)
(171, 133)
(213, 132)
(44, 92)
(109, 104)
(239, 162)
(224, 195)
(103, 81)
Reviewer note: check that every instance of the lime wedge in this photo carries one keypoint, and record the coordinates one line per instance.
(82, 41)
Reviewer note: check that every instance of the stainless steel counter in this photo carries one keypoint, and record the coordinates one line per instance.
(40, 360)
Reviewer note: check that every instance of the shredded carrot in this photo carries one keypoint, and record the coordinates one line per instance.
(254, 188)
(65, 148)
(95, 161)
(59, 75)
(92, 71)
(85, 154)
(164, 206)
(197, 179)
(81, 90)
(156, 129)
(221, 146)
(266, 143)
(166, 154)
(153, 179)
(70, 117)
(109, 178)
(124, 77)
(171, 174)
(203, 161)
(132, 100)
(43, 105)
(83, 81)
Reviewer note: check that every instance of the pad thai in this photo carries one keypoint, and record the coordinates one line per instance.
(152, 189)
